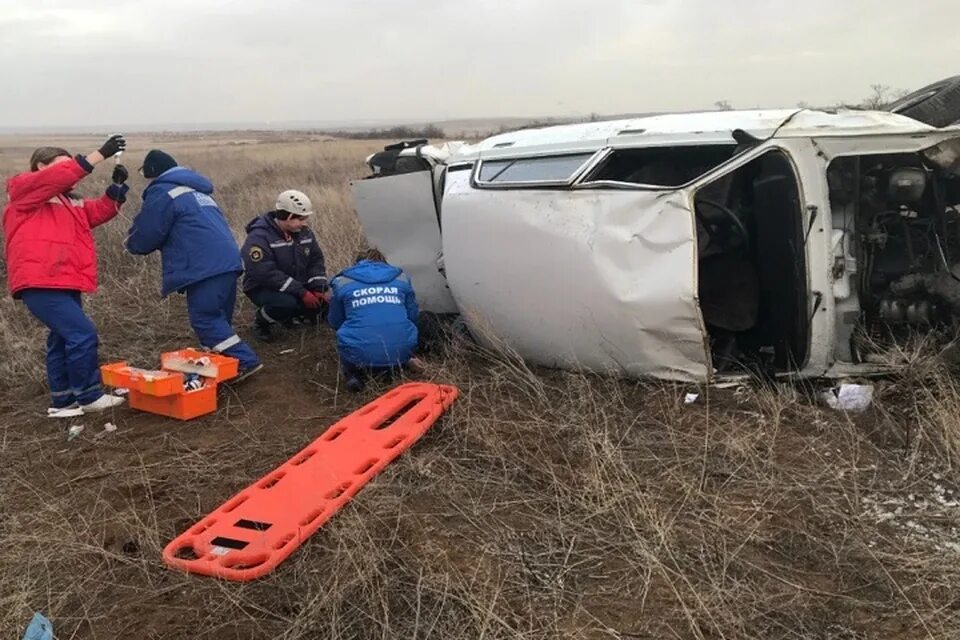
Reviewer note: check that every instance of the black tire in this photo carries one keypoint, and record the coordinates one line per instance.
(937, 104)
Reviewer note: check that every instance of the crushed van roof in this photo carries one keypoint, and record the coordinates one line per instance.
(804, 122)
(710, 127)
(713, 126)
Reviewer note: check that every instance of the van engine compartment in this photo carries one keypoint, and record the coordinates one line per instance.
(903, 225)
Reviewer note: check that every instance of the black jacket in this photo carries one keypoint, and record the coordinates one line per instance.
(277, 262)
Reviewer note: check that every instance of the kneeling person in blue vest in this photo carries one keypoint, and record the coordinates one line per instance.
(199, 254)
(284, 273)
(374, 311)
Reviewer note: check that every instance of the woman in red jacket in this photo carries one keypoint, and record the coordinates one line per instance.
(51, 260)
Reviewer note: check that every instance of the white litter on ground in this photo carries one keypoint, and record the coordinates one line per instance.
(74, 431)
(690, 398)
(849, 397)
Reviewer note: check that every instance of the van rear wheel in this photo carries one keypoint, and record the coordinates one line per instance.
(937, 104)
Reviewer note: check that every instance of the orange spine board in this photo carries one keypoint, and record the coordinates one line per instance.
(258, 528)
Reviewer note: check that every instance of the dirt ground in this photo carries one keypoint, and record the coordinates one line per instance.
(98, 495)
(729, 518)
(546, 504)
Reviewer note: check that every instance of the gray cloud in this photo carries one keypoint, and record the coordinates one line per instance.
(106, 62)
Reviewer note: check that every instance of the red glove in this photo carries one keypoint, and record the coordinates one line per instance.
(310, 300)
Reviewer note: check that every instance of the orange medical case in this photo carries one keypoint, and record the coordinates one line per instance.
(162, 391)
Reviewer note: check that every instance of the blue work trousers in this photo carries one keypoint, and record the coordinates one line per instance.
(210, 306)
(73, 368)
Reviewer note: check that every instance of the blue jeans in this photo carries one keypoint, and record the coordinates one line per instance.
(73, 368)
(210, 306)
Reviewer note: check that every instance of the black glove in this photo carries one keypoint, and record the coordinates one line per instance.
(114, 145)
(120, 174)
(118, 192)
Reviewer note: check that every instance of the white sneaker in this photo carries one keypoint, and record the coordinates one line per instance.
(72, 411)
(102, 403)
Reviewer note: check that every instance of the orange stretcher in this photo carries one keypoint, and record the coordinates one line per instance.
(162, 391)
(257, 529)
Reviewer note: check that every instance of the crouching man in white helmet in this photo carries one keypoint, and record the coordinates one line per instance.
(284, 271)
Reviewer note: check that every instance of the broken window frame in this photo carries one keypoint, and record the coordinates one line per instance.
(581, 178)
(587, 180)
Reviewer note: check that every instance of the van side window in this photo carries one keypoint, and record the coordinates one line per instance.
(550, 169)
(661, 166)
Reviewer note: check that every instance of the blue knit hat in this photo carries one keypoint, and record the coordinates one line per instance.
(156, 162)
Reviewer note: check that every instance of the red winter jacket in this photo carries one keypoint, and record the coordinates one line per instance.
(49, 242)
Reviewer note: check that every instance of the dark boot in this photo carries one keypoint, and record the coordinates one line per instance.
(244, 374)
(262, 330)
(263, 333)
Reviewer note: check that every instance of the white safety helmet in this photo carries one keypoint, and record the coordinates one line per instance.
(295, 202)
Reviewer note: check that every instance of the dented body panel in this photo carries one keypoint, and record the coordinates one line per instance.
(614, 283)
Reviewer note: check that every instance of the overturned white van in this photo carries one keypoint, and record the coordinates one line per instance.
(683, 246)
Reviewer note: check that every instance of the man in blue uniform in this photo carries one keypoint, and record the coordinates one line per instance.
(284, 271)
(198, 252)
(374, 311)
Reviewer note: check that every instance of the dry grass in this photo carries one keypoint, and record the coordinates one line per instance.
(547, 505)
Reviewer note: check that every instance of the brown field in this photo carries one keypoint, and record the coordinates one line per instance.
(546, 505)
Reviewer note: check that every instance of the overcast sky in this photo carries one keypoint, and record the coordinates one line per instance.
(115, 62)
